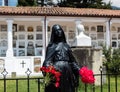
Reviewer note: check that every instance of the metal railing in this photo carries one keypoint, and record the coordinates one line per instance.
(5, 80)
(36, 84)
(108, 82)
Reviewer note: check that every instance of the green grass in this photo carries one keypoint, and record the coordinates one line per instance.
(22, 86)
(105, 87)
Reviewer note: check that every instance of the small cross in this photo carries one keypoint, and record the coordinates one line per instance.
(23, 64)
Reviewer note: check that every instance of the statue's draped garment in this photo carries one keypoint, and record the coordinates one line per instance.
(59, 54)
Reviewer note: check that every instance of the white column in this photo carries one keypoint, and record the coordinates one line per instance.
(3, 2)
(43, 38)
(9, 52)
(76, 23)
(45, 35)
(47, 32)
(107, 34)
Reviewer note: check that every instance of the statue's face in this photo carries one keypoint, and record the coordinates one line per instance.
(58, 33)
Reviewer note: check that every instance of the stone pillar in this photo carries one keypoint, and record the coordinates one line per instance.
(90, 57)
(107, 34)
(9, 52)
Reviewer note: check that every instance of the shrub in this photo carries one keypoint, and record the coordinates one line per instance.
(112, 61)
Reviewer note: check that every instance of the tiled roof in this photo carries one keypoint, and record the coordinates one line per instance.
(58, 11)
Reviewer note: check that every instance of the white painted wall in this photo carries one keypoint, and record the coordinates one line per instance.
(13, 64)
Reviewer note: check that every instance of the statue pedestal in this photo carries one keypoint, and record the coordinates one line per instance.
(90, 57)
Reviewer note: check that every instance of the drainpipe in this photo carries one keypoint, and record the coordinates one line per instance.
(45, 29)
(108, 37)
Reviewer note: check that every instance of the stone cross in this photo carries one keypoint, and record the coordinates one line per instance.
(23, 64)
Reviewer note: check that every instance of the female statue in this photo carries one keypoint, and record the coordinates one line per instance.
(59, 55)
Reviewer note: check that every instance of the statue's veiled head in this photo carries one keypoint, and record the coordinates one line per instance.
(57, 34)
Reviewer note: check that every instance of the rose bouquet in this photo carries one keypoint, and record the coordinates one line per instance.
(51, 74)
(86, 75)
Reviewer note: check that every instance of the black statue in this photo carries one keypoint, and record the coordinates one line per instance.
(59, 55)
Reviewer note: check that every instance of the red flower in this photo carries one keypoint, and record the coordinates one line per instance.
(57, 79)
(57, 84)
(51, 71)
(57, 74)
(43, 68)
(86, 75)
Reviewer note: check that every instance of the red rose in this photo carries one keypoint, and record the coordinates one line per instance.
(51, 74)
(86, 75)
(57, 84)
(57, 79)
(57, 74)
(47, 70)
(83, 71)
(43, 68)
(52, 71)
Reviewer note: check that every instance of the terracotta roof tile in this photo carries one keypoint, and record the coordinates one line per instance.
(58, 11)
